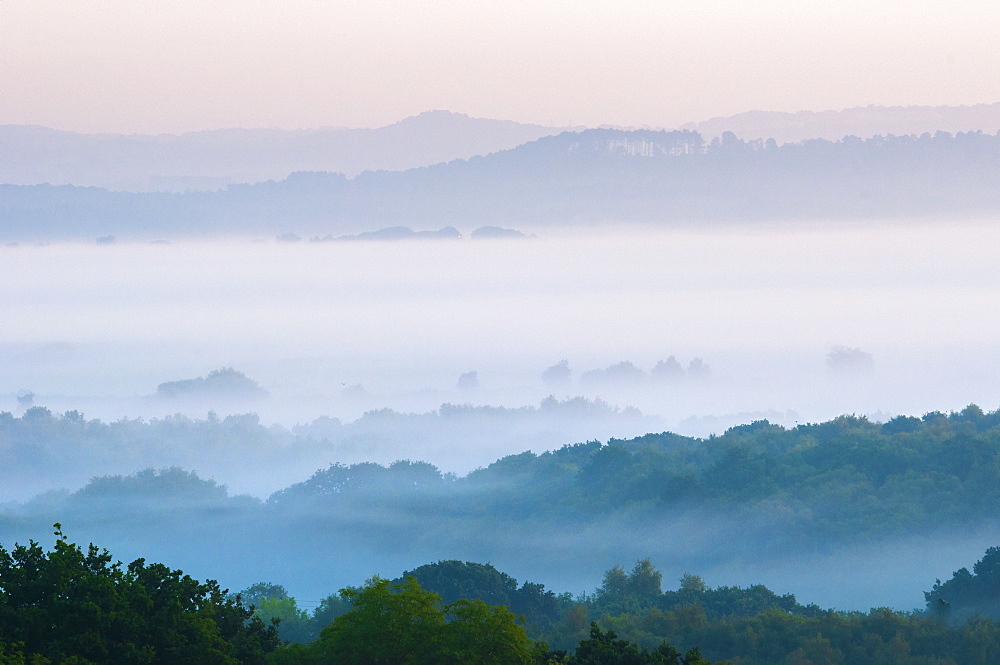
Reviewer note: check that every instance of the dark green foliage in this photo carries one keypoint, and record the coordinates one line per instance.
(755, 626)
(13, 654)
(401, 622)
(901, 425)
(455, 580)
(605, 648)
(729, 601)
(968, 594)
(71, 605)
(879, 636)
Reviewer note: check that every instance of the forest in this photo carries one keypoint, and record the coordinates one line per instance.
(51, 451)
(772, 495)
(82, 606)
(845, 477)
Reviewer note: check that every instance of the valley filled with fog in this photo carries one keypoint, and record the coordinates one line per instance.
(338, 329)
(450, 351)
(467, 332)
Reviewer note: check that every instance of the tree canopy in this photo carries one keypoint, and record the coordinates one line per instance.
(70, 605)
(401, 622)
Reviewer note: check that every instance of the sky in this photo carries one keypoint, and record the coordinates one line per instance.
(167, 67)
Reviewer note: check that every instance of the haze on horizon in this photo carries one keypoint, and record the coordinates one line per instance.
(126, 67)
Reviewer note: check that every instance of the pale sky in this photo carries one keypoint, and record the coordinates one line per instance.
(156, 66)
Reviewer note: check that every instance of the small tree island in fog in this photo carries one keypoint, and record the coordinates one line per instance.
(226, 382)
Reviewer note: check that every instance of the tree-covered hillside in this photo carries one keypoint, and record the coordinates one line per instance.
(48, 451)
(586, 177)
(759, 494)
(846, 478)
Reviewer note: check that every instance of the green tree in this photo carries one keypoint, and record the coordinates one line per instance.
(645, 582)
(397, 623)
(13, 655)
(389, 624)
(72, 605)
(604, 648)
(485, 634)
(623, 592)
(615, 582)
(253, 594)
(455, 580)
(294, 624)
(329, 609)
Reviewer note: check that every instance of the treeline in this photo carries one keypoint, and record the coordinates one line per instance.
(561, 620)
(846, 478)
(765, 490)
(50, 451)
(584, 177)
(71, 606)
(79, 606)
(630, 619)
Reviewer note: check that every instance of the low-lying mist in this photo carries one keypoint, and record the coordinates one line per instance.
(332, 329)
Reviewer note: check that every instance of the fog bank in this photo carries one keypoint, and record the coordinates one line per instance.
(339, 329)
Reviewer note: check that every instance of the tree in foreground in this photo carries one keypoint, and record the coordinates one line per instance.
(401, 622)
(604, 648)
(82, 607)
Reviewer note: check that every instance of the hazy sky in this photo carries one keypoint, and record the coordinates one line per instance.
(158, 66)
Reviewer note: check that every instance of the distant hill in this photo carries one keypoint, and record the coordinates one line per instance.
(210, 160)
(593, 177)
(862, 121)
